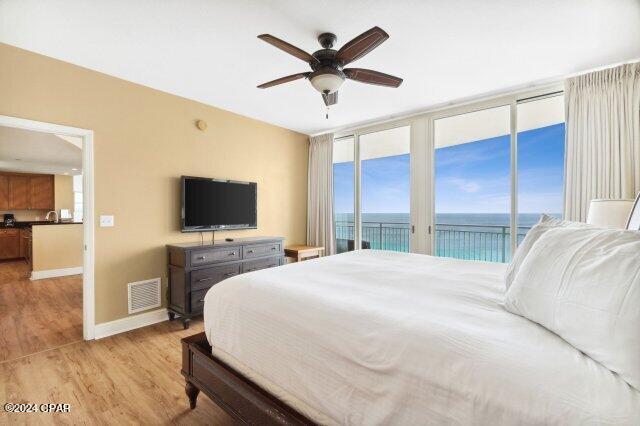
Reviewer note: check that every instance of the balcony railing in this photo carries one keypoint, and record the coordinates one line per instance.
(463, 241)
(491, 243)
(376, 235)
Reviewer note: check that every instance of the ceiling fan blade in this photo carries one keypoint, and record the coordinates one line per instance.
(289, 48)
(330, 99)
(284, 80)
(372, 77)
(361, 45)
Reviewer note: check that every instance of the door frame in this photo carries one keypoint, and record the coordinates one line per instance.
(88, 276)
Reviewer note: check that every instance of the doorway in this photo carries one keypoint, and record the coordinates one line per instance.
(46, 246)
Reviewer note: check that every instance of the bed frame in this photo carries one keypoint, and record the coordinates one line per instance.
(242, 399)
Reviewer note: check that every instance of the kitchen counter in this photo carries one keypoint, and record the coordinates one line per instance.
(56, 248)
(20, 225)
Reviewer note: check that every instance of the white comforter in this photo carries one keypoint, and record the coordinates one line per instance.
(372, 337)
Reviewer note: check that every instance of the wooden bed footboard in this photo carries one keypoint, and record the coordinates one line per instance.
(242, 399)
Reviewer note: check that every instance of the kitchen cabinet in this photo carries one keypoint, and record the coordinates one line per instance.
(41, 196)
(9, 243)
(4, 192)
(18, 192)
(26, 192)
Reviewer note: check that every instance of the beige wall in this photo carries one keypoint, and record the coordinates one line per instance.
(144, 140)
(63, 192)
(56, 247)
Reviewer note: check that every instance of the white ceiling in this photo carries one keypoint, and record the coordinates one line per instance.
(207, 50)
(28, 151)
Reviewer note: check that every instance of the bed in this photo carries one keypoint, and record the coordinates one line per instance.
(373, 337)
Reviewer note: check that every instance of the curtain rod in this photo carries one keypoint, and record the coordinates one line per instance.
(538, 97)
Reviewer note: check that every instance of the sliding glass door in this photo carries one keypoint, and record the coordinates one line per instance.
(372, 190)
(385, 189)
(496, 170)
(472, 185)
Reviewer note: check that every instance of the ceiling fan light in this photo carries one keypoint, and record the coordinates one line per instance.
(326, 82)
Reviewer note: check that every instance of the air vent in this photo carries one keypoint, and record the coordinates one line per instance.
(144, 295)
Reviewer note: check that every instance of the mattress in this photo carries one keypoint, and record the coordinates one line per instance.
(373, 337)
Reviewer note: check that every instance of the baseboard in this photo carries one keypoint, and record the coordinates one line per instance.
(54, 273)
(130, 323)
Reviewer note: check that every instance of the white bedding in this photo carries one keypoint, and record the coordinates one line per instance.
(372, 337)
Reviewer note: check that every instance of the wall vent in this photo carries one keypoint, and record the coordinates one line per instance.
(144, 295)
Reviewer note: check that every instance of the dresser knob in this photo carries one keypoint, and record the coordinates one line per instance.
(202, 257)
(250, 251)
(233, 253)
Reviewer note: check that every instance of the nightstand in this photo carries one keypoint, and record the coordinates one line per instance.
(301, 252)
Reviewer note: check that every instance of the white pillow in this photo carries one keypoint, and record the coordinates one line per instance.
(584, 285)
(544, 224)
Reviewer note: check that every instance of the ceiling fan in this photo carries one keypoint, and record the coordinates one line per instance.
(328, 72)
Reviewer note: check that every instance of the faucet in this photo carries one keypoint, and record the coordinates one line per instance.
(48, 214)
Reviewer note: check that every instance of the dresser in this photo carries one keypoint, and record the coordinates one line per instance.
(195, 267)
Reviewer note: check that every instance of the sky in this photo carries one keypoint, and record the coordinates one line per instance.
(469, 178)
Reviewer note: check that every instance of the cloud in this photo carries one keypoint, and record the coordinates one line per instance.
(465, 185)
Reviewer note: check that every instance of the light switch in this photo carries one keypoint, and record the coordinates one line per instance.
(106, 221)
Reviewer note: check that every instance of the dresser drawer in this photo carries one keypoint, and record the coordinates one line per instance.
(197, 301)
(205, 278)
(255, 265)
(204, 257)
(261, 250)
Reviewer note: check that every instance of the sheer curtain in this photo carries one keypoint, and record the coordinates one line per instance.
(320, 230)
(602, 137)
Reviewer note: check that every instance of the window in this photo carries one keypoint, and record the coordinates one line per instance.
(466, 182)
(540, 160)
(77, 198)
(487, 198)
(473, 184)
(385, 189)
(375, 165)
(343, 193)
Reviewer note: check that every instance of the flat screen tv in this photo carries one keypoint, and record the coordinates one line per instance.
(214, 204)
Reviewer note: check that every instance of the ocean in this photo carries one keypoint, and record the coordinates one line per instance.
(500, 219)
(477, 236)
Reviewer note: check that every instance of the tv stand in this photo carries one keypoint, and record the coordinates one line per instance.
(195, 267)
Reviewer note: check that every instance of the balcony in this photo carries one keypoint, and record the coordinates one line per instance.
(489, 243)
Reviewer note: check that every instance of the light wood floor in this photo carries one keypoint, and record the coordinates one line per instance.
(37, 315)
(130, 378)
